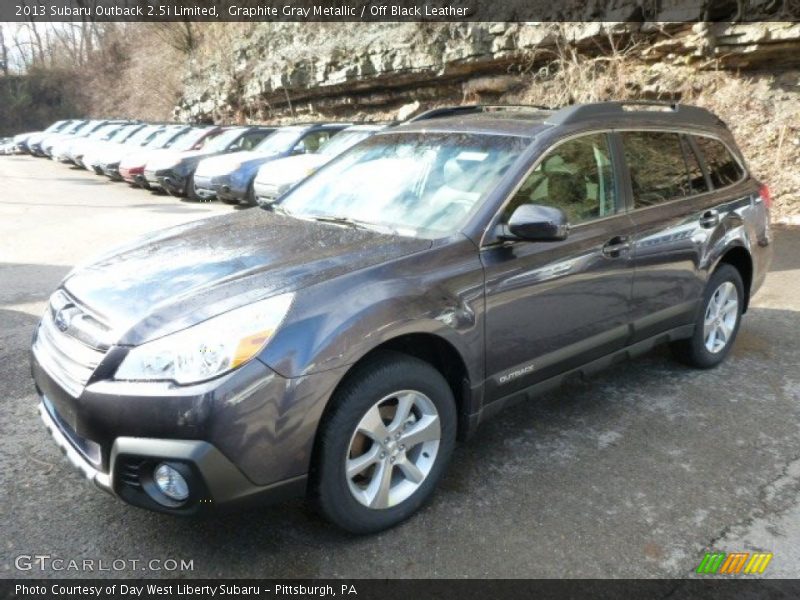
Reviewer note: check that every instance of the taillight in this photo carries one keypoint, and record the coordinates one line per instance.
(765, 196)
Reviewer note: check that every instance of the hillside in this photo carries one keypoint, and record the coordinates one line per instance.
(747, 73)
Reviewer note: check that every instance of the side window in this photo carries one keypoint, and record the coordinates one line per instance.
(697, 181)
(576, 176)
(252, 139)
(311, 142)
(722, 167)
(657, 166)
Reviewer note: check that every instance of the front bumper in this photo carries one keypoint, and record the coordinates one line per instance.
(168, 179)
(223, 187)
(214, 481)
(134, 176)
(245, 437)
(111, 170)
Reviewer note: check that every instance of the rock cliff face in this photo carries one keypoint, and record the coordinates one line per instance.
(748, 73)
(285, 69)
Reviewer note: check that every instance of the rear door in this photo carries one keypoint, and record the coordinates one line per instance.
(551, 306)
(678, 216)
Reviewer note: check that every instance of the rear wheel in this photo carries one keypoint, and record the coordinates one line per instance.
(717, 322)
(385, 444)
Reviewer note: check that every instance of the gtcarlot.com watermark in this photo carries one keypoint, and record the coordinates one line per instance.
(57, 564)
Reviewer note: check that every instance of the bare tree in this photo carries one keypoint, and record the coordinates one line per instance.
(3, 51)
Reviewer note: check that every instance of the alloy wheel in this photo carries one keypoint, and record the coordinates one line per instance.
(721, 314)
(393, 449)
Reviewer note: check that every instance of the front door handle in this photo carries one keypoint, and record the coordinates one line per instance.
(709, 219)
(616, 246)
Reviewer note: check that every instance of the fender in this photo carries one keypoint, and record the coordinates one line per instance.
(337, 322)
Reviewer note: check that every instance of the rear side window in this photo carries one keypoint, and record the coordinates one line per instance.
(658, 167)
(722, 167)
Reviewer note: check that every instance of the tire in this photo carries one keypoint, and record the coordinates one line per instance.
(228, 200)
(375, 389)
(703, 351)
(250, 199)
(190, 192)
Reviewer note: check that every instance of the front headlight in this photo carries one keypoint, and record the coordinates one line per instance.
(208, 349)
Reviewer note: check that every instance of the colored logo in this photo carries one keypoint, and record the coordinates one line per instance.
(735, 563)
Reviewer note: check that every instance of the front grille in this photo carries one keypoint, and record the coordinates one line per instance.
(70, 343)
(89, 449)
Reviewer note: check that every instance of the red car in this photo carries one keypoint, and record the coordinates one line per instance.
(178, 137)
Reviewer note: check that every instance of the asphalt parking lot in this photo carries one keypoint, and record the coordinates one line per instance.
(634, 473)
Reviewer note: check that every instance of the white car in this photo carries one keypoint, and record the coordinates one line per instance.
(99, 151)
(277, 177)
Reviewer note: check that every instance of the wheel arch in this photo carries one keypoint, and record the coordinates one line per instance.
(739, 258)
(428, 347)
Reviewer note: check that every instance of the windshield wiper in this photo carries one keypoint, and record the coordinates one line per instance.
(355, 224)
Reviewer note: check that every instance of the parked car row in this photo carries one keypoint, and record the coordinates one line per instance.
(235, 164)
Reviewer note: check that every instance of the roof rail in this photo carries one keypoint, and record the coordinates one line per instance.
(448, 111)
(608, 110)
(444, 111)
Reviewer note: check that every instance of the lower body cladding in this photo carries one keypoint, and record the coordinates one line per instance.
(245, 438)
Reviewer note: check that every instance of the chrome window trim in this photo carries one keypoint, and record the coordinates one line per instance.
(607, 131)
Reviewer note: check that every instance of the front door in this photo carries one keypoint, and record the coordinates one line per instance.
(552, 306)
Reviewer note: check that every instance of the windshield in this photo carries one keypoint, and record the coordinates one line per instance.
(220, 142)
(342, 141)
(280, 141)
(123, 133)
(185, 142)
(420, 185)
(163, 137)
(57, 126)
(77, 127)
(103, 133)
(144, 135)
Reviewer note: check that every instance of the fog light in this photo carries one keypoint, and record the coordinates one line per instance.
(171, 483)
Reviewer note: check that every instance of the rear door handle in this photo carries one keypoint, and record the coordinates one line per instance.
(616, 246)
(709, 219)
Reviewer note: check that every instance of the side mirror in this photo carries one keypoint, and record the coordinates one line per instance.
(536, 223)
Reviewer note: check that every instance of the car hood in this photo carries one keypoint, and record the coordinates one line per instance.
(138, 158)
(183, 275)
(227, 163)
(290, 169)
(167, 158)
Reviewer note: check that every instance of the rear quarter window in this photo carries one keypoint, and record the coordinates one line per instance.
(723, 169)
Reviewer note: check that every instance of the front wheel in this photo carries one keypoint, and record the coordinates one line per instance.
(717, 322)
(191, 191)
(385, 443)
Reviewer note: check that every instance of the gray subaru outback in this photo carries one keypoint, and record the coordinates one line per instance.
(338, 343)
